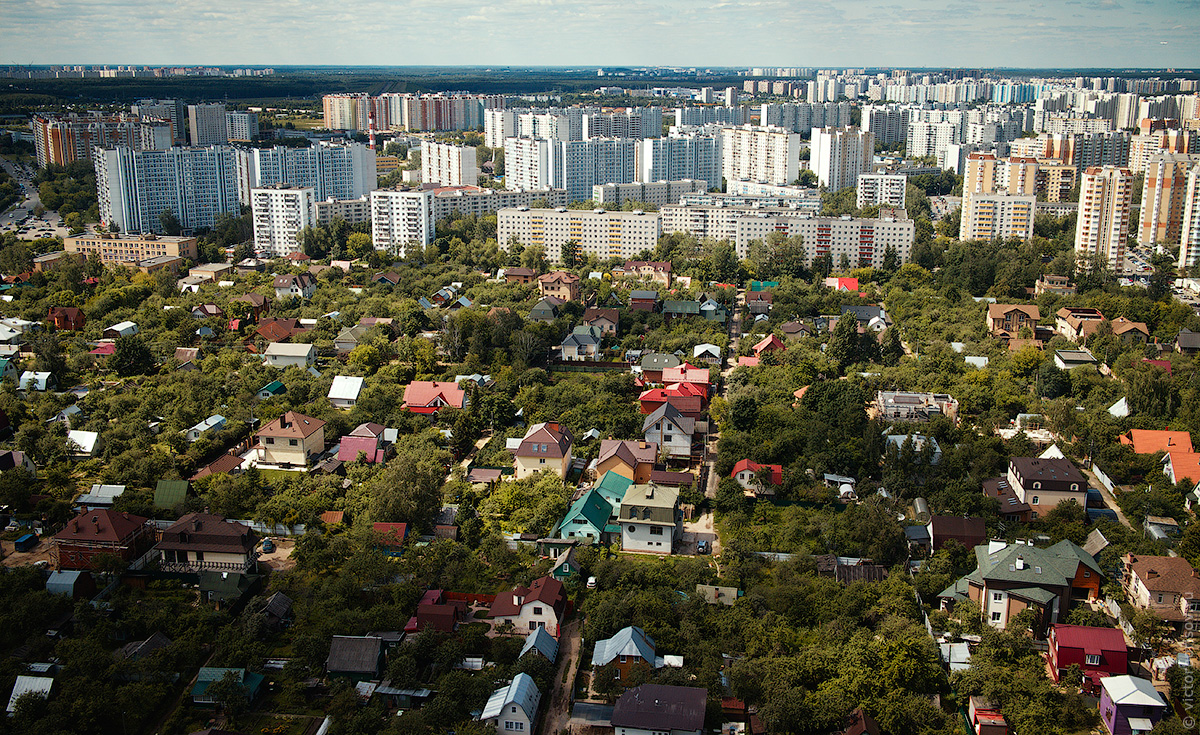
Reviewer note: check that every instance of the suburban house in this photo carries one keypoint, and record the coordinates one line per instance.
(1077, 323)
(541, 642)
(658, 709)
(292, 440)
(1130, 705)
(1057, 285)
(749, 474)
(356, 657)
(1130, 332)
(343, 393)
(1165, 585)
(1187, 341)
(985, 717)
(285, 355)
(713, 310)
(542, 604)
(1044, 483)
(270, 390)
(650, 519)
(207, 311)
(100, 532)
(390, 537)
(1009, 578)
(1071, 359)
(612, 487)
(203, 542)
(587, 518)
(513, 707)
(523, 276)
(841, 284)
(687, 398)
(677, 308)
(630, 647)
(120, 329)
(770, 343)
(641, 300)
(1099, 652)
(970, 532)
(670, 430)
(212, 423)
(276, 329)
(559, 284)
(707, 353)
(349, 338)
(1007, 320)
(632, 459)
(257, 303)
(606, 320)
(427, 396)
(1145, 441)
(655, 363)
(583, 343)
(300, 286)
(917, 443)
(915, 407)
(546, 310)
(250, 682)
(433, 611)
(545, 446)
(366, 439)
(647, 270)
(565, 565)
(66, 318)
(1179, 466)
(36, 381)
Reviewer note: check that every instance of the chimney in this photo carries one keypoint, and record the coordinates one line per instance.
(1020, 562)
(95, 520)
(195, 524)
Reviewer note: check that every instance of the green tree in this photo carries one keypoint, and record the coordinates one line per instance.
(131, 356)
(170, 223)
(843, 347)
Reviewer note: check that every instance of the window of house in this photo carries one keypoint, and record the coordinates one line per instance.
(656, 531)
(514, 708)
(996, 617)
(542, 460)
(270, 440)
(624, 659)
(1093, 659)
(1086, 574)
(1035, 500)
(537, 610)
(997, 596)
(632, 528)
(1037, 486)
(200, 557)
(533, 625)
(292, 442)
(1160, 598)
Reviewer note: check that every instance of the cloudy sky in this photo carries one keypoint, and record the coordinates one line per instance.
(1049, 33)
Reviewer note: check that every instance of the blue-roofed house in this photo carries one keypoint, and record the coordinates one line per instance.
(541, 642)
(212, 423)
(249, 681)
(513, 707)
(586, 518)
(630, 647)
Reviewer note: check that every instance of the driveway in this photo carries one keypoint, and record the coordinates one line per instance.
(1109, 500)
(699, 529)
(558, 713)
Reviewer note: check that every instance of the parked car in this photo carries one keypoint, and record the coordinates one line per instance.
(702, 547)
(268, 546)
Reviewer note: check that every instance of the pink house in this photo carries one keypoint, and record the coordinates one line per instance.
(427, 396)
(367, 439)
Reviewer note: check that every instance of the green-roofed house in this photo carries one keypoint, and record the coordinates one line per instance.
(170, 493)
(1010, 578)
(270, 390)
(756, 286)
(612, 487)
(249, 681)
(8, 368)
(586, 518)
(675, 308)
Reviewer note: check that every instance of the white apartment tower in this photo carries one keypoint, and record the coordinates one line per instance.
(693, 155)
(1164, 194)
(207, 125)
(763, 155)
(839, 155)
(883, 189)
(134, 188)
(574, 165)
(241, 126)
(498, 124)
(1189, 237)
(1105, 197)
(333, 170)
(449, 165)
(400, 219)
(279, 213)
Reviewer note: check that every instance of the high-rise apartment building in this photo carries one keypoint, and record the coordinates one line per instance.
(1102, 227)
(766, 155)
(527, 163)
(154, 134)
(999, 198)
(348, 210)
(241, 126)
(207, 125)
(636, 122)
(1189, 237)
(596, 232)
(449, 165)
(802, 117)
(883, 189)
(839, 155)
(692, 155)
(1148, 145)
(173, 110)
(931, 138)
(333, 170)
(278, 214)
(694, 116)
(1164, 192)
(888, 123)
(348, 111)
(136, 187)
(498, 124)
(658, 193)
(574, 165)
(63, 139)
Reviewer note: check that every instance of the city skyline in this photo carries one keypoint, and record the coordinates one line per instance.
(1069, 34)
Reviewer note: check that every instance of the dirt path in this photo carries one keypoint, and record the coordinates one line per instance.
(13, 558)
(1109, 500)
(558, 712)
(483, 440)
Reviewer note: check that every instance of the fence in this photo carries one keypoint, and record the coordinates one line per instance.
(470, 598)
(1103, 478)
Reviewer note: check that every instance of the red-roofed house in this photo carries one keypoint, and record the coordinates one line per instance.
(98, 532)
(1099, 652)
(542, 604)
(770, 343)
(746, 473)
(433, 611)
(1182, 466)
(748, 362)
(687, 373)
(687, 398)
(841, 284)
(390, 537)
(68, 318)
(970, 532)
(1145, 441)
(366, 439)
(427, 396)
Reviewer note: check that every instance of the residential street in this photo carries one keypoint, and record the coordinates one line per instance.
(558, 710)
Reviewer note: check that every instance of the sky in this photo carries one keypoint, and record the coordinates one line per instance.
(905, 33)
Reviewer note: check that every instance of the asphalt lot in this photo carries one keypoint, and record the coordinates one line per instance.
(20, 218)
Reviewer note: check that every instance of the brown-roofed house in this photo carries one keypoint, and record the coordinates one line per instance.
(1130, 332)
(560, 284)
(606, 320)
(203, 542)
(520, 275)
(100, 532)
(628, 458)
(1167, 585)
(67, 318)
(546, 446)
(290, 440)
(1006, 320)
(227, 463)
(970, 532)
(540, 605)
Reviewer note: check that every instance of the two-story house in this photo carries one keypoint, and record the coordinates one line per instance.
(1130, 705)
(1010, 578)
(523, 276)
(1099, 652)
(559, 284)
(100, 532)
(292, 440)
(1007, 320)
(658, 709)
(66, 318)
(757, 479)
(427, 396)
(513, 707)
(1165, 585)
(203, 542)
(894, 405)
(647, 270)
(1044, 483)
(642, 300)
(632, 459)
(583, 343)
(545, 446)
(670, 430)
(1130, 332)
(606, 320)
(300, 286)
(542, 604)
(587, 518)
(1077, 323)
(628, 649)
(650, 519)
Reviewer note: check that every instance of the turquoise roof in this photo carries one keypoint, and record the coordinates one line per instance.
(612, 487)
(593, 509)
(274, 388)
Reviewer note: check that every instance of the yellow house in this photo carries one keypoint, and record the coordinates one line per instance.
(290, 440)
(546, 446)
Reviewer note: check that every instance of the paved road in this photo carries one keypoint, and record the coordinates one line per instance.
(558, 713)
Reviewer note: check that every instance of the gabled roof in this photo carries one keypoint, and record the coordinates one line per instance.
(558, 277)
(275, 388)
(659, 361)
(775, 471)
(1091, 640)
(592, 507)
(1145, 441)
(593, 314)
(997, 311)
(612, 487)
(1183, 466)
(545, 590)
(542, 642)
(1164, 573)
(1187, 339)
(208, 532)
(292, 425)
(685, 373)
(285, 349)
(770, 342)
(667, 412)
(1121, 325)
(521, 692)
(660, 707)
(426, 393)
(1132, 690)
(629, 451)
(641, 295)
(1052, 567)
(170, 493)
(39, 685)
(354, 654)
(629, 641)
(223, 464)
(345, 388)
(555, 436)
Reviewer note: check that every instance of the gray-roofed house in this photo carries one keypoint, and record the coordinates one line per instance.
(546, 310)
(344, 391)
(541, 642)
(138, 650)
(869, 316)
(1070, 359)
(583, 343)
(653, 709)
(671, 430)
(513, 707)
(1187, 341)
(277, 609)
(650, 519)
(673, 308)
(36, 685)
(655, 363)
(629, 648)
(359, 658)
(212, 423)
